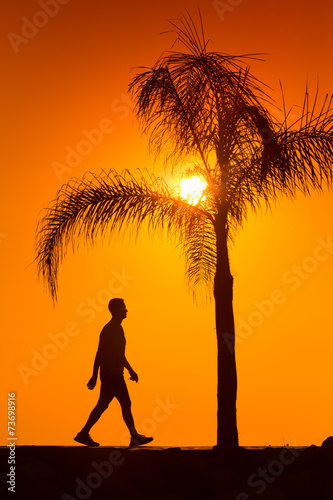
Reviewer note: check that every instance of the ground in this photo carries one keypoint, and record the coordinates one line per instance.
(68, 473)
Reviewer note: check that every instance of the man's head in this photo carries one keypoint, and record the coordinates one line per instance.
(118, 309)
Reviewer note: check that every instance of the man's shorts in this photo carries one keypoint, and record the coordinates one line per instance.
(113, 386)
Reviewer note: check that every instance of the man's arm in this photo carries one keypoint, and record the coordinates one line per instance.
(134, 375)
(92, 382)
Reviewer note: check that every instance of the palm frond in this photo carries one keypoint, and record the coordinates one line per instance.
(189, 102)
(188, 34)
(303, 157)
(192, 105)
(199, 248)
(286, 161)
(100, 204)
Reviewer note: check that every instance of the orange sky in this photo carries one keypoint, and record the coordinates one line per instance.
(69, 76)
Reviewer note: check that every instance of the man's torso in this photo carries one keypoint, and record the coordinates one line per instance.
(112, 348)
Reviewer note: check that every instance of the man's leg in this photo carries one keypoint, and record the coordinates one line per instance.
(126, 410)
(96, 413)
(125, 403)
(102, 404)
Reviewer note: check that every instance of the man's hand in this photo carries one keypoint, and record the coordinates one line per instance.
(134, 376)
(92, 382)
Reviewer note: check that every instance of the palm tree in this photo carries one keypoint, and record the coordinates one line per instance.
(208, 106)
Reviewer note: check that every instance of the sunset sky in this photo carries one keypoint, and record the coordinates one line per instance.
(67, 65)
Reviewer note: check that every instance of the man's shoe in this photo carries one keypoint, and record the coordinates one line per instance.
(84, 438)
(138, 440)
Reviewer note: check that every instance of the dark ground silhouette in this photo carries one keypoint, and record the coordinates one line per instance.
(67, 473)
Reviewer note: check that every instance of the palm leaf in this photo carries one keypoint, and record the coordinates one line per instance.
(191, 103)
(291, 160)
(199, 248)
(105, 203)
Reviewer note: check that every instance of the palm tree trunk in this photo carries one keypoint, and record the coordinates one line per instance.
(227, 434)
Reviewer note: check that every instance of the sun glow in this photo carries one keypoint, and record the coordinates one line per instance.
(192, 189)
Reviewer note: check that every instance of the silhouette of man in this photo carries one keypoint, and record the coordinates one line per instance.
(111, 360)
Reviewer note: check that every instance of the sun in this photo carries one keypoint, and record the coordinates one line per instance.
(192, 189)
